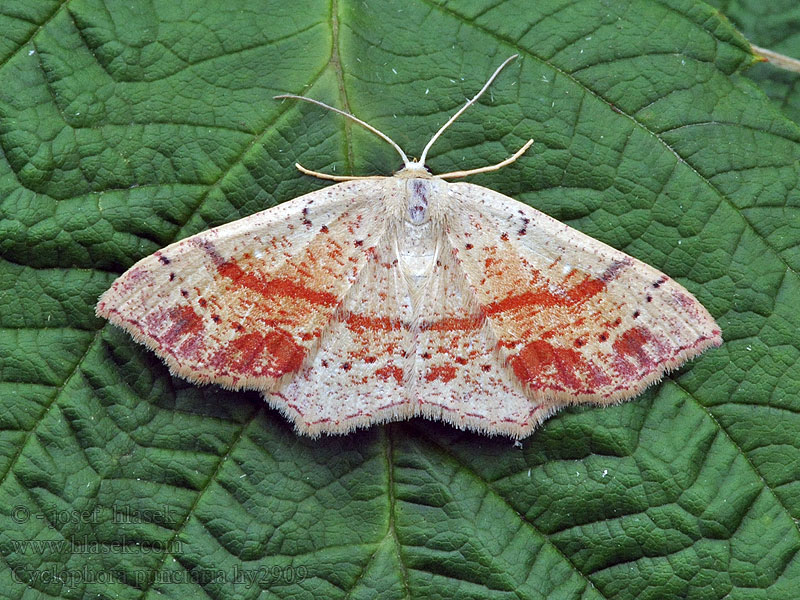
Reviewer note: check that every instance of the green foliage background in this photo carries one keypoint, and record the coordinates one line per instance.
(125, 126)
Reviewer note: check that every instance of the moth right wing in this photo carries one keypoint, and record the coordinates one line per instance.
(244, 305)
(575, 320)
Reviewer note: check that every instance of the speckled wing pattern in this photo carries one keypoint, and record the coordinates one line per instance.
(244, 305)
(382, 299)
(575, 320)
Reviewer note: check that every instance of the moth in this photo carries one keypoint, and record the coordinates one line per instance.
(385, 298)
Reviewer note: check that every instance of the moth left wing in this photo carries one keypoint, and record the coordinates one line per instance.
(575, 320)
(245, 304)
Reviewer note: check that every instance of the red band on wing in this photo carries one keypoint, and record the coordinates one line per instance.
(575, 295)
(444, 373)
(360, 323)
(390, 371)
(454, 324)
(631, 357)
(273, 354)
(274, 287)
(542, 366)
(183, 321)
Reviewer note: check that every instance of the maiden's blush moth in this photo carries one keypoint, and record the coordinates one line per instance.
(383, 298)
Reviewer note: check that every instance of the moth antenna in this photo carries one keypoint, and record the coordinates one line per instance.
(463, 108)
(500, 165)
(364, 124)
(305, 171)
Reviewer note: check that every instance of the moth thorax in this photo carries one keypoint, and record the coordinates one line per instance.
(419, 191)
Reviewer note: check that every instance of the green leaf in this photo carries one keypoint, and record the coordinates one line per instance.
(125, 126)
(771, 25)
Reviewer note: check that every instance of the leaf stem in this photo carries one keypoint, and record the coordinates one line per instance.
(779, 60)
